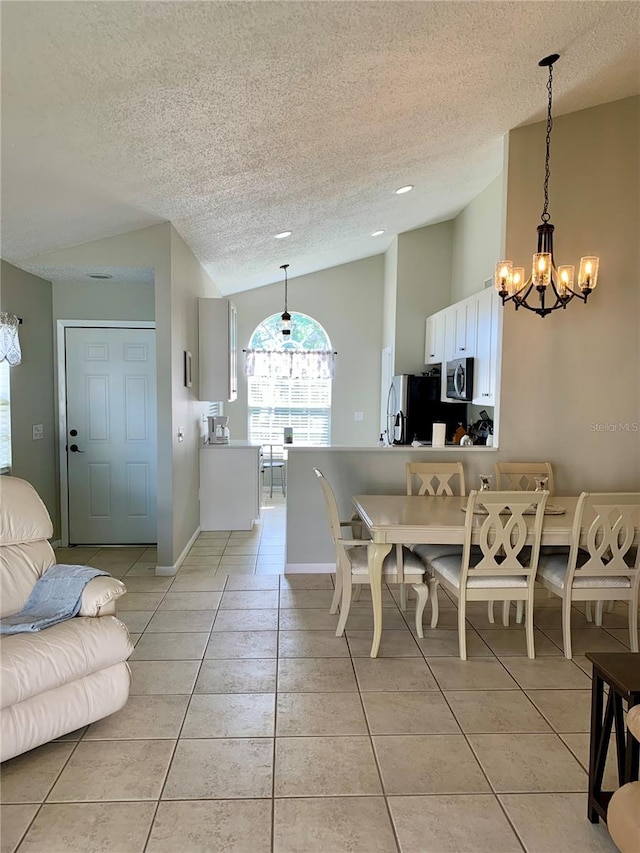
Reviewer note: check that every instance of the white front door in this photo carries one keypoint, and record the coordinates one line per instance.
(111, 435)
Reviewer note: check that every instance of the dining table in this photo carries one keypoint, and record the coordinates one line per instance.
(434, 520)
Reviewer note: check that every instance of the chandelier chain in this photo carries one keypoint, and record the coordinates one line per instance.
(547, 172)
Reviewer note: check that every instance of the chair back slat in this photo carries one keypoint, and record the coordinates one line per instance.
(435, 478)
(613, 530)
(331, 505)
(521, 476)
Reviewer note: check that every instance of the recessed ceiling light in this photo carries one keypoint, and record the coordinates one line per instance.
(406, 189)
(100, 275)
(283, 234)
(377, 233)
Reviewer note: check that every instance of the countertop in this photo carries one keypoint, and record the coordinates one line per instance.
(238, 444)
(448, 448)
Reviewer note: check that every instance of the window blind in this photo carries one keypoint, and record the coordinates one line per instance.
(302, 404)
(5, 417)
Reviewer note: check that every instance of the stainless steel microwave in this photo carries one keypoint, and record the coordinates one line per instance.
(460, 379)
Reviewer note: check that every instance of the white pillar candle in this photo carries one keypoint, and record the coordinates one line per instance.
(439, 435)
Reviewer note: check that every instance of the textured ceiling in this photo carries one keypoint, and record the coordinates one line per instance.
(238, 120)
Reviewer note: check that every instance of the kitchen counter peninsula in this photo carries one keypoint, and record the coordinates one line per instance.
(355, 471)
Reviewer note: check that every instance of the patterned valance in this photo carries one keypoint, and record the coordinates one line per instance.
(9, 343)
(289, 364)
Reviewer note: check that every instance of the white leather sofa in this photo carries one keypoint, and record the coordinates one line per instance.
(623, 814)
(74, 673)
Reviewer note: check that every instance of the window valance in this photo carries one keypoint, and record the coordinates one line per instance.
(9, 342)
(289, 364)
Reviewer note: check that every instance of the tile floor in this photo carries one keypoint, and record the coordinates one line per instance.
(252, 728)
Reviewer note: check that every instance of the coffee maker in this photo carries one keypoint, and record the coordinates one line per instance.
(218, 430)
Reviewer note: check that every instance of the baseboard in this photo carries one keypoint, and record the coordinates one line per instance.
(309, 568)
(169, 571)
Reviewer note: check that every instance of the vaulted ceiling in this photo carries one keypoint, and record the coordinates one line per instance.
(236, 121)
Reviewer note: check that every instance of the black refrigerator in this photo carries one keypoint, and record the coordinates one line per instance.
(414, 405)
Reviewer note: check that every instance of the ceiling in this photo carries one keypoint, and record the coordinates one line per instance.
(236, 121)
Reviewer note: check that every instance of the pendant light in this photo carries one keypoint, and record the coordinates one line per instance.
(547, 279)
(286, 317)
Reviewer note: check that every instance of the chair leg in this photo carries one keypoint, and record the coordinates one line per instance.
(519, 612)
(422, 591)
(283, 479)
(337, 592)
(598, 616)
(270, 482)
(435, 608)
(528, 627)
(357, 592)
(587, 612)
(610, 606)
(492, 619)
(403, 596)
(506, 607)
(566, 625)
(344, 606)
(633, 622)
(462, 627)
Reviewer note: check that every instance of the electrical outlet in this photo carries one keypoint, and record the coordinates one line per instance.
(37, 431)
(358, 416)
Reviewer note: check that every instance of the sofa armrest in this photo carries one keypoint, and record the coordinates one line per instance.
(99, 596)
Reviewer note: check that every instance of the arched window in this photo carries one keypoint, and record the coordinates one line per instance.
(298, 396)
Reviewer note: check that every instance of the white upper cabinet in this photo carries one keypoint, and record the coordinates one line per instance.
(487, 347)
(465, 328)
(434, 339)
(218, 349)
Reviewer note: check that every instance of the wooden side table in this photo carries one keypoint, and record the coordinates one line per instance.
(621, 673)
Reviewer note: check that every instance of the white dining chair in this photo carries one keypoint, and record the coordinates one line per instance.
(400, 565)
(433, 478)
(272, 459)
(602, 566)
(505, 567)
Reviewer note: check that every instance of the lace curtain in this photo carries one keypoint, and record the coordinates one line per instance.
(9, 343)
(289, 364)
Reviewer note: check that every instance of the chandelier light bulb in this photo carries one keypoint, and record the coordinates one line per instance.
(517, 279)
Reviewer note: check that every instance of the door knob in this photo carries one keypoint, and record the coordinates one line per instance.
(75, 449)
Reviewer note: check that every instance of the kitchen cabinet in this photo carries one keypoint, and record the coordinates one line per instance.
(465, 328)
(229, 486)
(487, 350)
(434, 339)
(218, 350)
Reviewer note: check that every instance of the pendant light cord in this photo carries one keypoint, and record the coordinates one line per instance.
(547, 172)
(284, 267)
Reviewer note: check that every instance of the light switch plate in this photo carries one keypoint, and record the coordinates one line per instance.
(358, 416)
(37, 431)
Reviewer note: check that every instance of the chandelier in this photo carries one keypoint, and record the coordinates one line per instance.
(286, 317)
(556, 286)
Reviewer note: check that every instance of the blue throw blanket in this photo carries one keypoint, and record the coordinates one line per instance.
(56, 596)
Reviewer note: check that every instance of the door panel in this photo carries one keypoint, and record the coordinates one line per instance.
(112, 456)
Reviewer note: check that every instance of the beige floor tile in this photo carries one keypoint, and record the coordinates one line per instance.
(257, 599)
(269, 568)
(147, 585)
(234, 768)
(29, 777)
(139, 601)
(244, 549)
(246, 620)
(209, 535)
(310, 714)
(579, 746)
(361, 619)
(312, 644)
(181, 621)
(142, 570)
(176, 646)
(298, 598)
(228, 715)
(551, 617)
(307, 581)
(548, 823)
(72, 736)
(585, 665)
(463, 823)
(528, 763)
(95, 827)
(566, 710)
(325, 767)
(236, 561)
(476, 674)
(199, 582)
(495, 711)
(120, 555)
(591, 639)
(237, 676)
(135, 620)
(162, 677)
(114, 770)
(408, 713)
(307, 619)
(270, 548)
(75, 556)
(504, 641)
(388, 674)
(394, 644)
(443, 642)
(211, 549)
(204, 826)
(14, 821)
(190, 601)
(332, 825)
(365, 599)
(245, 535)
(621, 635)
(242, 644)
(321, 675)
(428, 764)
(447, 620)
(546, 673)
(253, 582)
(142, 717)
(201, 561)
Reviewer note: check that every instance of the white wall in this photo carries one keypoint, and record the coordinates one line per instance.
(477, 238)
(567, 373)
(390, 295)
(103, 300)
(347, 301)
